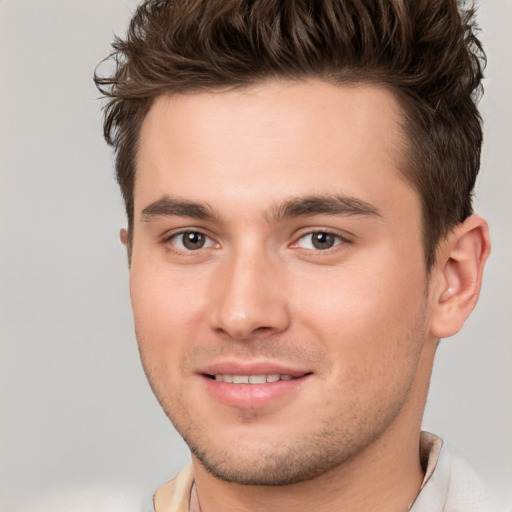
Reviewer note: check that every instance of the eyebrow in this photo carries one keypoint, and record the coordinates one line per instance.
(291, 208)
(323, 205)
(168, 206)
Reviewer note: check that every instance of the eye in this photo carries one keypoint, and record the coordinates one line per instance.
(319, 241)
(190, 241)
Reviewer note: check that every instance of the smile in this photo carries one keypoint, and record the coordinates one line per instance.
(254, 389)
(250, 379)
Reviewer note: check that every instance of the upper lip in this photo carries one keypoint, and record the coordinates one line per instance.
(252, 368)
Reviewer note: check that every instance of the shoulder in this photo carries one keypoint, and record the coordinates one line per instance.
(171, 497)
(95, 499)
(454, 486)
(466, 490)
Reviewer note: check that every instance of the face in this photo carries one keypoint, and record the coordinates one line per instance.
(278, 280)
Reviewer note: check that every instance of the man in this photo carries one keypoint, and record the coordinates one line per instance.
(297, 178)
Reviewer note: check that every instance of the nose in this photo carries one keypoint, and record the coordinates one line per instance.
(249, 297)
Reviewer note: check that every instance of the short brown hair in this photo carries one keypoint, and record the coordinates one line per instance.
(425, 51)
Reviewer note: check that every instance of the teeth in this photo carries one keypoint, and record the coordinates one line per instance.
(257, 379)
(251, 379)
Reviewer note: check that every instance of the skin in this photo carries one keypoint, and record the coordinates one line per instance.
(359, 321)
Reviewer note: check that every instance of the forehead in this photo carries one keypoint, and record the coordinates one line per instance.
(263, 143)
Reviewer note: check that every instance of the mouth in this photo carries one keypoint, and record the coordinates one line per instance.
(252, 379)
(253, 386)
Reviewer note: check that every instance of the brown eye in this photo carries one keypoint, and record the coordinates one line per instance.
(323, 240)
(191, 241)
(319, 240)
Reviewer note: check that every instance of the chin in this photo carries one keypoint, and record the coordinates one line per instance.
(279, 464)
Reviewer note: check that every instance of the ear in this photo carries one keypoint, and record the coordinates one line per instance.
(458, 276)
(123, 236)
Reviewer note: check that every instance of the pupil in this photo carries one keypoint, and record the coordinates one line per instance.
(193, 240)
(323, 240)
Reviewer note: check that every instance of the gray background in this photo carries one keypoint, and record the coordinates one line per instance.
(76, 411)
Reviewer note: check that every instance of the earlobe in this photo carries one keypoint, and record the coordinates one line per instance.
(459, 271)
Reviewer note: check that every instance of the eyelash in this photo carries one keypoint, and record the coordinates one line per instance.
(339, 240)
(168, 240)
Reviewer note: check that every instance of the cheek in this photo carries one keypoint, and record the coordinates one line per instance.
(373, 334)
(162, 310)
(166, 308)
(164, 293)
(367, 316)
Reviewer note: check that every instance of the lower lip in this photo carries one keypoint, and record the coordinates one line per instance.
(252, 396)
